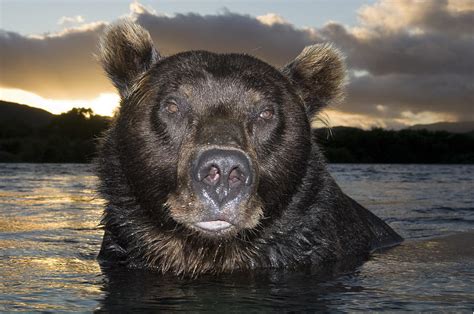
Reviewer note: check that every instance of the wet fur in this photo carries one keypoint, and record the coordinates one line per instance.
(297, 216)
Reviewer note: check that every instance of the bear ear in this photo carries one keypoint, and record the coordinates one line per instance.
(319, 74)
(126, 51)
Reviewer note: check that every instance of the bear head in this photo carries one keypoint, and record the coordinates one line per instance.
(213, 145)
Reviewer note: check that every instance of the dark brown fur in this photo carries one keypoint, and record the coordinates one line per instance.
(295, 216)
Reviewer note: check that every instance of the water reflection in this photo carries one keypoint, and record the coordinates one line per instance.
(417, 275)
(48, 282)
(140, 290)
(49, 237)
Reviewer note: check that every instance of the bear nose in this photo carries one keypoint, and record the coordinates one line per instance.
(222, 175)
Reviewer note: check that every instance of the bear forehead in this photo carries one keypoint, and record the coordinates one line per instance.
(190, 66)
(220, 91)
(220, 64)
(206, 77)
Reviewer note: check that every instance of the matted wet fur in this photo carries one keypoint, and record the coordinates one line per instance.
(175, 107)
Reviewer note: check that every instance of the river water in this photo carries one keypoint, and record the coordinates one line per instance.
(49, 239)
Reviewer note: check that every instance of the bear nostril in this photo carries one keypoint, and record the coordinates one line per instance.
(222, 177)
(236, 177)
(212, 176)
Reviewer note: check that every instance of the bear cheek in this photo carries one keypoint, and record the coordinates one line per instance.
(285, 162)
(184, 208)
(252, 213)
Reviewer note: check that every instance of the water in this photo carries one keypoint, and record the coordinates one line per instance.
(49, 239)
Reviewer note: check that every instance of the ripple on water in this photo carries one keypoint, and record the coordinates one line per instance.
(49, 238)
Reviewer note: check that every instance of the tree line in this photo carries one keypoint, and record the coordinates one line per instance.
(72, 137)
(352, 145)
(67, 138)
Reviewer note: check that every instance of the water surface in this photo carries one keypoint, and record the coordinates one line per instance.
(49, 238)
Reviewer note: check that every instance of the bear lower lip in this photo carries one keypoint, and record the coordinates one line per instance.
(214, 225)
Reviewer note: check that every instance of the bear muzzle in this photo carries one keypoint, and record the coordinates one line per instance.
(223, 179)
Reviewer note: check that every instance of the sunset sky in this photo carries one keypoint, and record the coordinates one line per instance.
(410, 61)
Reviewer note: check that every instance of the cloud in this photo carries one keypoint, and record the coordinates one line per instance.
(62, 65)
(446, 93)
(438, 16)
(271, 19)
(70, 20)
(57, 66)
(403, 52)
(136, 8)
(412, 58)
(416, 56)
(277, 43)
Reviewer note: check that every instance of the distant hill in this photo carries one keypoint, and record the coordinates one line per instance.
(33, 135)
(453, 127)
(11, 112)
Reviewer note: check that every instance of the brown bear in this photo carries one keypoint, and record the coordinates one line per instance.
(210, 164)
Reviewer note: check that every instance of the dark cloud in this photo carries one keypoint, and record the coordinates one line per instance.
(417, 55)
(438, 18)
(228, 32)
(451, 94)
(63, 65)
(60, 66)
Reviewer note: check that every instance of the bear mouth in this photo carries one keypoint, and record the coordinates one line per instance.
(213, 225)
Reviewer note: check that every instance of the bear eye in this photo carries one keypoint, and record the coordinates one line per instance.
(266, 114)
(171, 107)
